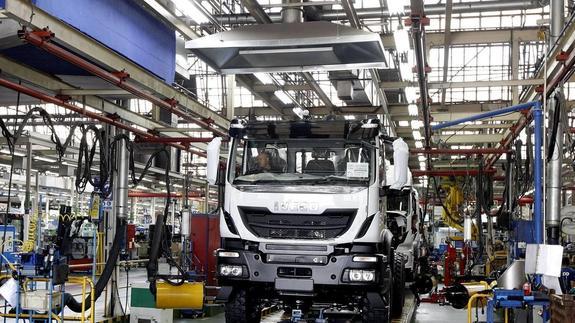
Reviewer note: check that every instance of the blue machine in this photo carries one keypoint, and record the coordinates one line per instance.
(9, 248)
(505, 298)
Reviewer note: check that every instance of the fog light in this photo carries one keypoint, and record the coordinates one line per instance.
(357, 275)
(230, 270)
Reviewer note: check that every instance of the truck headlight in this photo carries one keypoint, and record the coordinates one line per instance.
(231, 270)
(359, 275)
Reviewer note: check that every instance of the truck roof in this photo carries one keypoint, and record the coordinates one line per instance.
(308, 129)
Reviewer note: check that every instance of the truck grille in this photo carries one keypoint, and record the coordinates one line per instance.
(328, 225)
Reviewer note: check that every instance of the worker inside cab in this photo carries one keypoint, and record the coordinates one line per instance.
(267, 161)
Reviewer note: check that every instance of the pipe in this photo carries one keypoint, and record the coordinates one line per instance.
(554, 179)
(378, 13)
(159, 194)
(114, 78)
(458, 172)
(538, 169)
(489, 114)
(96, 116)
(292, 14)
(472, 151)
(418, 36)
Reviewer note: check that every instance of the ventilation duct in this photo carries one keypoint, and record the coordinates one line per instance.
(289, 47)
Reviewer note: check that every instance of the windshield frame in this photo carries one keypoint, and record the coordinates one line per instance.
(232, 173)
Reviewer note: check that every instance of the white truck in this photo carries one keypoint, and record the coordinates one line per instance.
(303, 219)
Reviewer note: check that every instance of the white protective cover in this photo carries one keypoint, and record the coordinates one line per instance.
(400, 163)
(213, 160)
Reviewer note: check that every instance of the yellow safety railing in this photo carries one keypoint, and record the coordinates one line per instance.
(471, 301)
(84, 281)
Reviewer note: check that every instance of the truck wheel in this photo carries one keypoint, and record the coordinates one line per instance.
(398, 290)
(240, 308)
(371, 314)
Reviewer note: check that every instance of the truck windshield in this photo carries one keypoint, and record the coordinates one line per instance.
(307, 162)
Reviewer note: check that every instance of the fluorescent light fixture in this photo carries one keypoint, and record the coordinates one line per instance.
(418, 144)
(188, 8)
(16, 153)
(401, 38)
(422, 165)
(265, 78)
(349, 117)
(410, 94)
(412, 110)
(416, 124)
(421, 158)
(283, 97)
(396, 7)
(404, 123)
(46, 159)
(417, 135)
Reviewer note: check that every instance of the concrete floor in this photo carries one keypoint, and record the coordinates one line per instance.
(425, 313)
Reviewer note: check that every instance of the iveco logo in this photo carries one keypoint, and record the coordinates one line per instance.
(292, 206)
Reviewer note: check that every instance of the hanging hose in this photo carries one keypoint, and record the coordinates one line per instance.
(559, 100)
(109, 267)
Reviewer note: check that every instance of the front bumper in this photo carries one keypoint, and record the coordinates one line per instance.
(299, 273)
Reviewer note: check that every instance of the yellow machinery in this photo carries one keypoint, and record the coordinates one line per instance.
(451, 213)
(189, 295)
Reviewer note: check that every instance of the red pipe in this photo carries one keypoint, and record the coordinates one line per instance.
(50, 99)
(566, 69)
(455, 172)
(117, 79)
(472, 151)
(161, 195)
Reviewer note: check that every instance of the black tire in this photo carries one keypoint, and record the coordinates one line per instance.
(398, 290)
(369, 314)
(241, 308)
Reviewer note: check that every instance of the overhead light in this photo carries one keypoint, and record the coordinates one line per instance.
(283, 97)
(401, 38)
(412, 110)
(421, 158)
(422, 165)
(416, 124)
(189, 9)
(418, 144)
(410, 94)
(349, 117)
(396, 7)
(404, 123)
(417, 135)
(265, 78)
(46, 159)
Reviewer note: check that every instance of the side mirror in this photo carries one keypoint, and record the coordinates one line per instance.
(213, 164)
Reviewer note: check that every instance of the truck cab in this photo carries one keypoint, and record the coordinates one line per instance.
(303, 218)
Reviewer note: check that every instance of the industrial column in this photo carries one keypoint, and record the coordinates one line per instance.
(554, 181)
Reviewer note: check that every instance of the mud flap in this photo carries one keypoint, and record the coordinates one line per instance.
(376, 301)
(224, 294)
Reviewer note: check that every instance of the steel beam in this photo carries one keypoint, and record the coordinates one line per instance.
(437, 39)
(464, 85)
(54, 85)
(458, 172)
(473, 151)
(74, 39)
(469, 139)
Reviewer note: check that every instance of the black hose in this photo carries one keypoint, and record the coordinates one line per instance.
(76, 306)
(558, 98)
